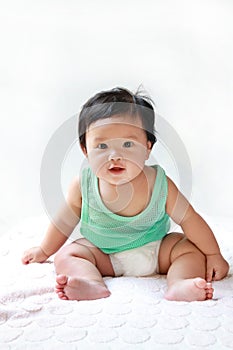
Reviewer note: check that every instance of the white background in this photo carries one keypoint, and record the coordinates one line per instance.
(55, 54)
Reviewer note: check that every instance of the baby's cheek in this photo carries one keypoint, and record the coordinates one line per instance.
(137, 158)
(96, 161)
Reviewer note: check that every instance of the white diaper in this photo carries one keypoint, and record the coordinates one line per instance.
(141, 261)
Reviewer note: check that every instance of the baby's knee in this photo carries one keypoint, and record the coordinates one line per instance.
(185, 246)
(62, 255)
(73, 250)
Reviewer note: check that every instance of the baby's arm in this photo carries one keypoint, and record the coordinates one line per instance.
(197, 231)
(59, 230)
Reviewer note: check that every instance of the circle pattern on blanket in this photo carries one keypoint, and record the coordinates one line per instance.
(201, 339)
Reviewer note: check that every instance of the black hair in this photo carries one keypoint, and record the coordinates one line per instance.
(115, 102)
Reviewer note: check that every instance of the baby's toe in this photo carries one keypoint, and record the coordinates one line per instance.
(61, 280)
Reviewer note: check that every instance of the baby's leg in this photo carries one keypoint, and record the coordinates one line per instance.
(187, 270)
(80, 267)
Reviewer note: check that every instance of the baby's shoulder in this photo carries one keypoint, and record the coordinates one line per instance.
(151, 173)
(154, 170)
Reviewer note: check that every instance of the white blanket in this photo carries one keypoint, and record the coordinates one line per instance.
(135, 316)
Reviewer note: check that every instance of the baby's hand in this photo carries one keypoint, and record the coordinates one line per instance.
(217, 267)
(33, 255)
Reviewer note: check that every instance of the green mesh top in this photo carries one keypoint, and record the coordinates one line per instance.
(114, 233)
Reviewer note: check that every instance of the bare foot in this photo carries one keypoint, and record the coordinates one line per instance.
(193, 289)
(72, 288)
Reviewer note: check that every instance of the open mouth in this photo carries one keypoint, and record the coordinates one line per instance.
(117, 170)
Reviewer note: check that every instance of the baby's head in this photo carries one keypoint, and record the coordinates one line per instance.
(117, 102)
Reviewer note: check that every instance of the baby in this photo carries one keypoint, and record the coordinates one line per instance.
(124, 207)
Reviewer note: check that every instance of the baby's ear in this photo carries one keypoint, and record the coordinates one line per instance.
(149, 145)
(84, 150)
(149, 148)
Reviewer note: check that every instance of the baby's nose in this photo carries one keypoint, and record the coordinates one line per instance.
(115, 156)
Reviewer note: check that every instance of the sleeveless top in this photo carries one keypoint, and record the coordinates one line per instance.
(115, 233)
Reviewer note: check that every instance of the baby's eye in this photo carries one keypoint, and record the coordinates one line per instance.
(128, 144)
(102, 146)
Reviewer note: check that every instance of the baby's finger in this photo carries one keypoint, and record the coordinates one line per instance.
(24, 259)
(209, 274)
(218, 275)
(27, 259)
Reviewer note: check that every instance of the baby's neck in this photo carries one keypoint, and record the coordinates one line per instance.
(131, 198)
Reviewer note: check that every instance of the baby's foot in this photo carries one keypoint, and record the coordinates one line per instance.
(193, 289)
(73, 288)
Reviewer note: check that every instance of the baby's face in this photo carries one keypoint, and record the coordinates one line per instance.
(117, 148)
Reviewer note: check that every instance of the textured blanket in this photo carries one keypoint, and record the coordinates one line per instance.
(135, 316)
